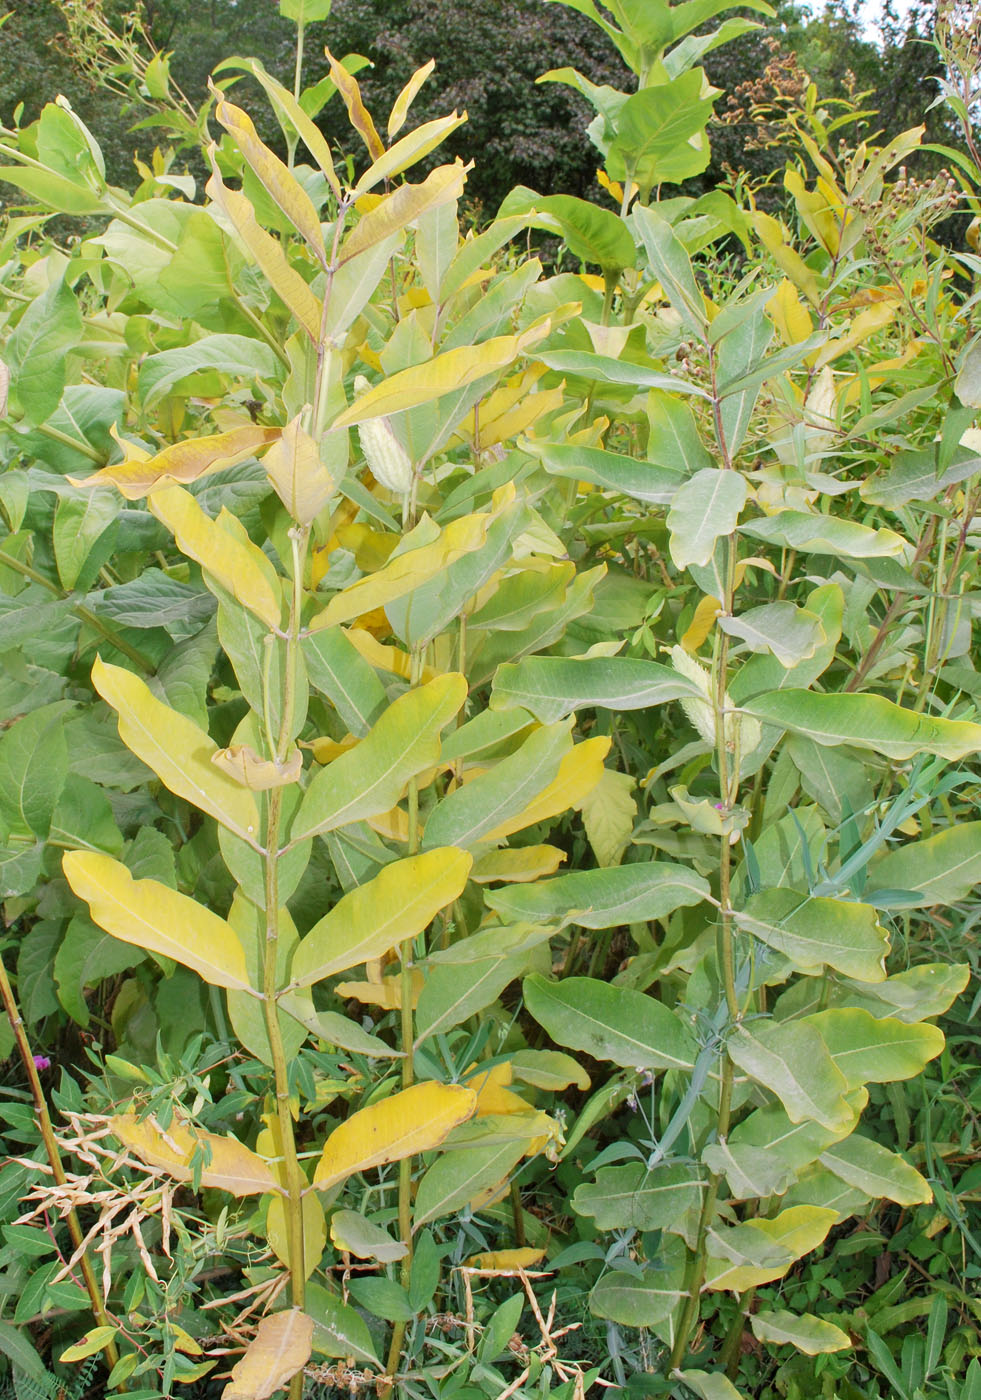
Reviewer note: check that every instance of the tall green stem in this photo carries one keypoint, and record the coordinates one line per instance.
(295, 1180)
(407, 1037)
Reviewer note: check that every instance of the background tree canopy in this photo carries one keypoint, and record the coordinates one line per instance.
(488, 54)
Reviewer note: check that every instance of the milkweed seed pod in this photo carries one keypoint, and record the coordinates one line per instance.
(385, 455)
(742, 732)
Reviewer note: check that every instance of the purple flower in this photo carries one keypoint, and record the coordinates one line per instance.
(41, 1062)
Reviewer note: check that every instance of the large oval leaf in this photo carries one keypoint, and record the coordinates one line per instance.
(610, 1023)
(415, 1120)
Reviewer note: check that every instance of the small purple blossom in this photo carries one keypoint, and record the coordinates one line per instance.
(41, 1062)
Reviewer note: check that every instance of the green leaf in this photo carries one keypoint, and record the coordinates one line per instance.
(493, 798)
(33, 768)
(752, 1172)
(641, 1301)
(36, 352)
(967, 385)
(705, 507)
(591, 233)
(634, 1197)
(809, 1334)
(607, 370)
(763, 1250)
(370, 778)
(625, 894)
(816, 932)
(459, 1175)
(876, 1050)
(610, 1023)
(337, 669)
(866, 721)
(53, 190)
(83, 536)
(913, 995)
(551, 687)
(451, 992)
(789, 633)
(940, 870)
(793, 1145)
(235, 355)
(651, 482)
(382, 1297)
(655, 130)
(18, 1349)
(709, 1385)
(402, 899)
(812, 533)
(338, 1330)
(791, 1060)
(877, 1171)
(356, 1234)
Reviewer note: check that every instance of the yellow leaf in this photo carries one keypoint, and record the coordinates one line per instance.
(387, 657)
(579, 772)
(407, 151)
(298, 476)
(402, 900)
(325, 750)
(396, 211)
(386, 994)
(518, 865)
(93, 1341)
(235, 562)
(400, 108)
(177, 750)
(415, 1120)
(268, 252)
(864, 325)
(280, 1348)
(227, 1164)
(278, 181)
(787, 259)
(443, 374)
(182, 461)
(358, 114)
(880, 373)
(392, 825)
(154, 917)
(405, 572)
(260, 774)
(183, 1341)
(507, 1259)
(789, 314)
(817, 214)
(702, 622)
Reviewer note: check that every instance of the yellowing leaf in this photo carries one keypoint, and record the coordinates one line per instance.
(408, 150)
(226, 1163)
(864, 325)
(93, 1341)
(819, 215)
(405, 572)
(396, 211)
(386, 658)
(260, 774)
(298, 476)
(517, 866)
(176, 749)
(268, 252)
(314, 1231)
(415, 1120)
(579, 772)
(400, 108)
(507, 1259)
(236, 563)
(442, 375)
(278, 181)
(154, 917)
(358, 114)
(608, 814)
(784, 1239)
(182, 461)
(402, 900)
(702, 622)
(280, 1348)
(310, 133)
